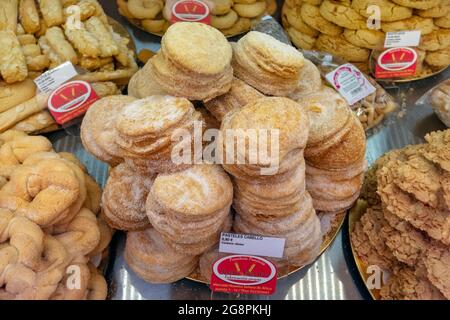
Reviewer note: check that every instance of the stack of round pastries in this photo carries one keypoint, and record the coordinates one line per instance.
(335, 153)
(342, 28)
(50, 223)
(270, 199)
(174, 211)
(228, 16)
(183, 68)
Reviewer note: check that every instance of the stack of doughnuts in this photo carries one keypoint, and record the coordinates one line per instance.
(194, 62)
(345, 28)
(274, 202)
(191, 208)
(335, 153)
(49, 219)
(228, 16)
(267, 64)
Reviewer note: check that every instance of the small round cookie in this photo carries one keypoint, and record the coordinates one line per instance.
(425, 25)
(122, 6)
(224, 21)
(389, 11)
(436, 40)
(342, 48)
(293, 3)
(181, 44)
(148, 9)
(438, 11)
(313, 2)
(438, 59)
(221, 7)
(98, 132)
(301, 40)
(443, 22)
(365, 38)
(311, 16)
(271, 7)
(310, 81)
(418, 4)
(242, 25)
(292, 17)
(342, 15)
(250, 10)
(155, 26)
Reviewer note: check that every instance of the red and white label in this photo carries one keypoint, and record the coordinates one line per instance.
(191, 11)
(396, 63)
(71, 100)
(244, 274)
(350, 83)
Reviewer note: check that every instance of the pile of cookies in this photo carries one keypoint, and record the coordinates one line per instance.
(406, 229)
(36, 37)
(341, 28)
(49, 219)
(230, 17)
(270, 198)
(335, 153)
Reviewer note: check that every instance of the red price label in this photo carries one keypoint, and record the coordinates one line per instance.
(71, 100)
(244, 274)
(191, 11)
(396, 63)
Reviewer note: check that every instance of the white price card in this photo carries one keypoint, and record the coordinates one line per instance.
(54, 78)
(402, 39)
(251, 245)
(350, 83)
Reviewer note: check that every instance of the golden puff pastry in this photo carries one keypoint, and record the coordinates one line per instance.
(52, 12)
(60, 45)
(8, 14)
(29, 16)
(13, 66)
(100, 31)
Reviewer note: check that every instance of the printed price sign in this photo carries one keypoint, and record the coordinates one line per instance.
(52, 79)
(402, 39)
(350, 83)
(396, 63)
(191, 11)
(71, 100)
(252, 245)
(244, 274)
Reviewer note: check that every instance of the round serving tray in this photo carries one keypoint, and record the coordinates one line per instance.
(354, 216)
(328, 239)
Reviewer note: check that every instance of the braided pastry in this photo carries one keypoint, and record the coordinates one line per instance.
(46, 192)
(81, 236)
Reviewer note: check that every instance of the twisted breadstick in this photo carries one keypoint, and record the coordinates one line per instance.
(82, 235)
(44, 193)
(23, 235)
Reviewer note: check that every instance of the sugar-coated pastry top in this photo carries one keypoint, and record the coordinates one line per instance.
(197, 47)
(152, 115)
(199, 190)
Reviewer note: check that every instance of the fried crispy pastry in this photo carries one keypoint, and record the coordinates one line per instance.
(8, 15)
(29, 16)
(52, 12)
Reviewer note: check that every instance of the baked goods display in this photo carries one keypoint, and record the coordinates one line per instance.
(36, 37)
(230, 17)
(341, 28)
(174, 211)
(405, 228)
(50, 223)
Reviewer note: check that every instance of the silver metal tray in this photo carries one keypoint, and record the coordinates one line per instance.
(333, 275)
